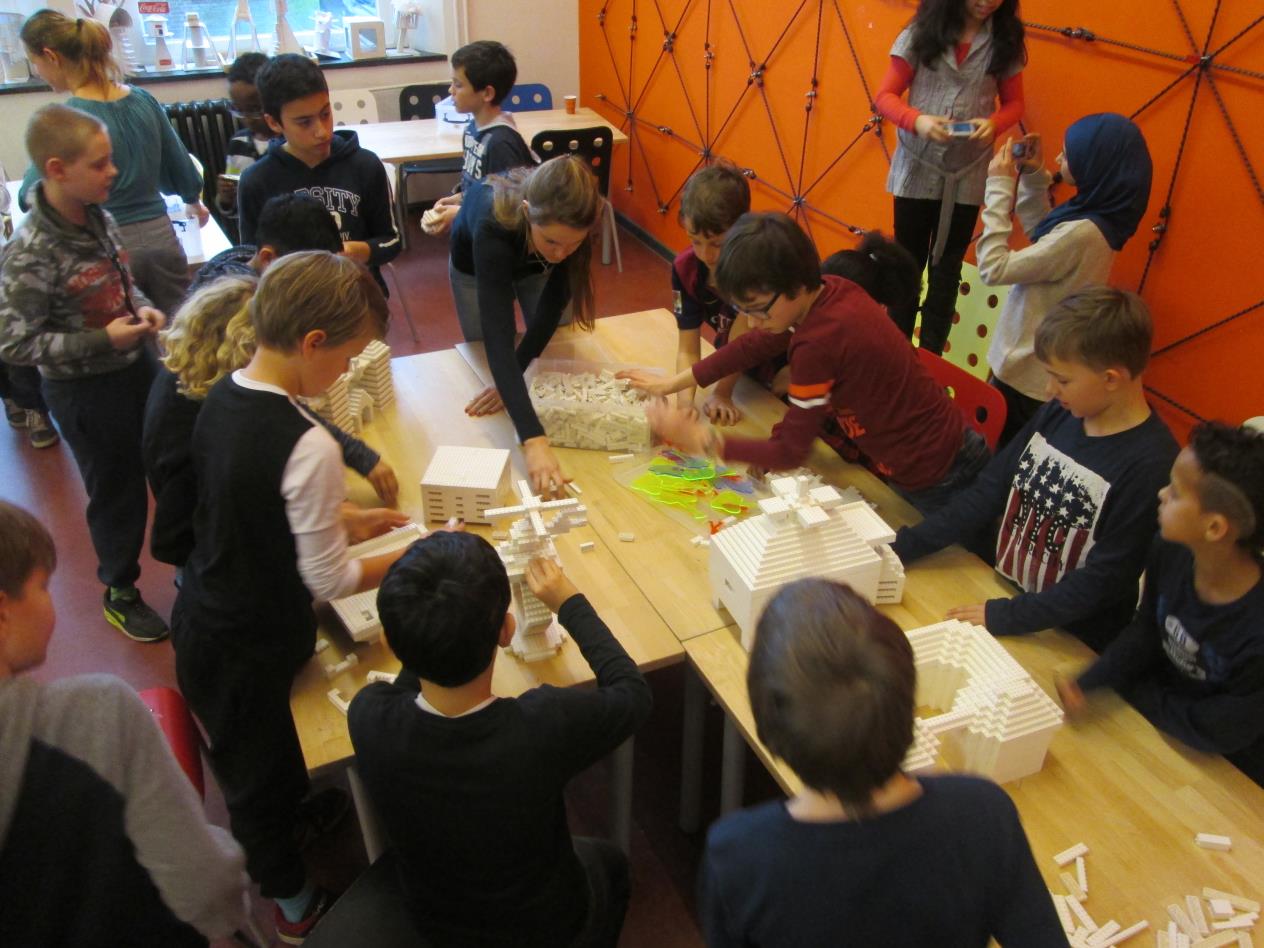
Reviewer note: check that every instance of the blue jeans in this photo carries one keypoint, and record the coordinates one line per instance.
(465, 298)
(971, 458)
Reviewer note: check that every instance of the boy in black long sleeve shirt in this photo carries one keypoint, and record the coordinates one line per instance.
(1192, 661)
(468, 785)
(1075, 491)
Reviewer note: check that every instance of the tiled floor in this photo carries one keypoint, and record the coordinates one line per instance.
(664, 860)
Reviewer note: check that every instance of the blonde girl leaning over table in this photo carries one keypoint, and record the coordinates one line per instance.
(75, 56)
(527, 235)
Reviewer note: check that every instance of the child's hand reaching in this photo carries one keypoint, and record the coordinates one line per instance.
(1071, 696)
(384, 482)
(1002, 163)
(976, 614)
(721, 410)
(648, 382)
(550, 585)
(362, 524)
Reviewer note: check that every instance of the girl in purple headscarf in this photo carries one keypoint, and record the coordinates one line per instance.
(1073, 245)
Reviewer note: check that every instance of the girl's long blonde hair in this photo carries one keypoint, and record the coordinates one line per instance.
(84, 45)
(211, 335)
(562, 190)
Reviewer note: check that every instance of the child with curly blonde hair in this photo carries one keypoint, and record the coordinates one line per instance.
(210, 337)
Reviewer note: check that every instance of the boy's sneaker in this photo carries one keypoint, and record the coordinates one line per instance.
(40, 430)
(293, 933)
(320, 814)
(17, 416)
(127, 612)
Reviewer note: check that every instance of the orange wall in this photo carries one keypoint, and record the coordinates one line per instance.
(1210, 263)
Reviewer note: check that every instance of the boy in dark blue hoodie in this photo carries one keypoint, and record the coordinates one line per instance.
(312, 158)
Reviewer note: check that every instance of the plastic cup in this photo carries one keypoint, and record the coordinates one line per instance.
(571, 102)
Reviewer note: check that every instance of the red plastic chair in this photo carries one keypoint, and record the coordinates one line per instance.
(982, 406)
(176, 723)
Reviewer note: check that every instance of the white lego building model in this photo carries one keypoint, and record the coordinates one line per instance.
(365, 386)
(464, 483)
(997, 721)
(358, 612)
(806, 529)
(590, 410)
(538, 635)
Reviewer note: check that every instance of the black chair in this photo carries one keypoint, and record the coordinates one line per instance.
(418, 102)
(371, 912)
(205, 126)
(595, 146)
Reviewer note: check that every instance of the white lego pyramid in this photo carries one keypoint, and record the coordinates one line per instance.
(538, 635)
(997, 722)
(464, 483)
(806, 529)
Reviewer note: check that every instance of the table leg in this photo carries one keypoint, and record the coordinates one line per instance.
(621, 796)
(732, 767)
(370, 827)
(691, 741)
(606, 223)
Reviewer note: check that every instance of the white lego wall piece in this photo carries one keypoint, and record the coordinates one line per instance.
(358, 612)
(465, 483)
(538, 634)
(366, 386)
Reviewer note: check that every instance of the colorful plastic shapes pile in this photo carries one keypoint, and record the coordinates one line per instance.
(698, 486)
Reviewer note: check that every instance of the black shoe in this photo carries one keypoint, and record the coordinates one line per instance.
(16, 415)
(320, 814)
(133, 617)
(40, 430)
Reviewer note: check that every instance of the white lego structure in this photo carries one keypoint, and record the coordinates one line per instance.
(590, 410)
(283, 38)
(358, 612)
(464, 483)
(364, 387)
(538, 635)
(366, 36)
(806, 529)
(996, 721)
(243, 16)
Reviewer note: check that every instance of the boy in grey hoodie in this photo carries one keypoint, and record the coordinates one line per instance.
(69, 306)
(102, 837)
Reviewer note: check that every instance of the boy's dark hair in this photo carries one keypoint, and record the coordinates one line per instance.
(880, 267)
(714, 198)
(442, 605)
(832, 685)
(1232, 459)
(937, 27)
(766, 253)
(25, 546)
(296, 221)
(285, 78)
(245, 68)
(1099, 326)
(487, 63)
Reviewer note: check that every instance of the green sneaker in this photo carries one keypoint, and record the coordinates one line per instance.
(127, 612)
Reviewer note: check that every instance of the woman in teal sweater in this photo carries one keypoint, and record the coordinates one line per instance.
(75, 56)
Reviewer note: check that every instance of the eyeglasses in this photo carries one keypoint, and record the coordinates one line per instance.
(759, 312)
(246, 116)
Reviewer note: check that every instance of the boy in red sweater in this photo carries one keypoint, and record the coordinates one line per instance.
(847, 360)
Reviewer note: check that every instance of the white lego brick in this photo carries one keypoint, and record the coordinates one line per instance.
(1072, 886)
(1124, 934)
(574, 488)
(1070, 855)
(321, 645)
(587, 546)
(1183, 922)
(1081, 876)
(1064, 913)
(1237, 922)
(1081, 915)
(1194, 908)
(334, 669)
(1104, 932)
(616, 458)
(1244, 940)
(1218, 940)
(337, 700)
(627, 537)
(1221, 908)
(375, 676)
(1212, 841)
(1241, 903)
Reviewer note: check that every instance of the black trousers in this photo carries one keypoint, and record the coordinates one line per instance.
(101, 417)
(916, 229)
(606, 867)
(21, 385)
(1019, 409)
(242, 700)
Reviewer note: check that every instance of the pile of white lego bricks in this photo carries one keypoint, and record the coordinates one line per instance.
(806, 529)
(1226, 919)
(358, 612)
(590, 410)
(999, 722)
(365, 386)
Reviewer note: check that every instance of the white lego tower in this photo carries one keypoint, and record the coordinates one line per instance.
(283, 38)
(539, 635)
(996, 721)
(464, 483)
(806, 529)
(243, 16)
(355, 394)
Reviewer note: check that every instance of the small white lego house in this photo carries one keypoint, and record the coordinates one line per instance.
(366, 386)
(538, 635)
(994, 719)
(464, 483)
(805, 529)
(358, 612)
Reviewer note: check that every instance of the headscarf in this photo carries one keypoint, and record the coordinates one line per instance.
(1111, 165)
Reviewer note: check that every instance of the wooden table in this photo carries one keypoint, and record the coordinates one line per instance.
(431, 391)
(426, 139)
